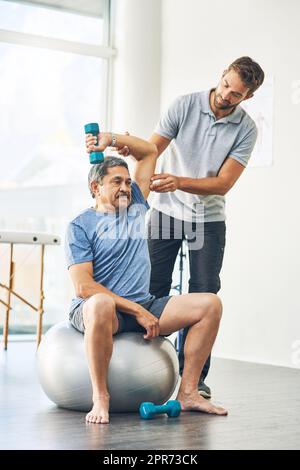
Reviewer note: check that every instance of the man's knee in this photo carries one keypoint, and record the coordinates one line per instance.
(99, 308)
(211, 306)
(214, 307)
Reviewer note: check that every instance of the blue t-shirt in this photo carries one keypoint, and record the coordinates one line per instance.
(116, 244)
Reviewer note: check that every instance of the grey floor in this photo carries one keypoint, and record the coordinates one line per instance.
(263, 403)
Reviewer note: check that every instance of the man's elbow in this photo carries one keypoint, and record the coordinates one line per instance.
(223, 191)
(224, 187)
(153, 151)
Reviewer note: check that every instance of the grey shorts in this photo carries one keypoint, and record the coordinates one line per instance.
(127, 322)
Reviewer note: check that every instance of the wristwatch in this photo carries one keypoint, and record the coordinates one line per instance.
(113, 140)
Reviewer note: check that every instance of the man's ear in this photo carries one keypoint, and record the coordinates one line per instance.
(95, 187)
(248, 96)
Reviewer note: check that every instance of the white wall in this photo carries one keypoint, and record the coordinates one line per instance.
(261, 270)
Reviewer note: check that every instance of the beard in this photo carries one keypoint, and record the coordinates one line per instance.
(220, 104)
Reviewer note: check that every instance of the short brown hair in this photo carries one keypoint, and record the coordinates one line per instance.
(251, 74)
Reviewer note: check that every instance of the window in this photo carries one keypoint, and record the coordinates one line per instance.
(49, 96)
(54, 67)
(56, 23)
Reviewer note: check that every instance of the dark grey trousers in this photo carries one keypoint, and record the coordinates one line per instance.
(205, 262)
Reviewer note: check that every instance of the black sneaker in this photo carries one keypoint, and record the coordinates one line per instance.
(204, 390)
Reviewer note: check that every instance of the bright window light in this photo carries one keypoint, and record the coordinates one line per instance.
(51, 23)
(47, 97)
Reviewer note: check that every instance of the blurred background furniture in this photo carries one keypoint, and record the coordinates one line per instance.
(27, 238)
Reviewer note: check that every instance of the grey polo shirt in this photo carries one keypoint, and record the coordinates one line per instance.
(199, 146)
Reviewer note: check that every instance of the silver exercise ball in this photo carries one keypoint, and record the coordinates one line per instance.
(139, 370)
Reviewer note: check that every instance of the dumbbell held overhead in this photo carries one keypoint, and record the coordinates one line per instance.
(93, 128)
(148, 410)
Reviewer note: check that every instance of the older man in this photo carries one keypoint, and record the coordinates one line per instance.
(109, 264)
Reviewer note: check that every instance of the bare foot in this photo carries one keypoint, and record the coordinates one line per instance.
(195, 402)
(99, 412)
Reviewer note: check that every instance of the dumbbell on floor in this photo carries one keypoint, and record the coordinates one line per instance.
(148, 410)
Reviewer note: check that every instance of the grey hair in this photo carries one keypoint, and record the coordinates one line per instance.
(98, 171)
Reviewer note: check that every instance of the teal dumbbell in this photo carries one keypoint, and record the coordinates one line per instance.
(93, 128)
(148, 410)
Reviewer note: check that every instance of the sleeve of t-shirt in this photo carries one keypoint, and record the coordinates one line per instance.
(77, 246)
(137, 195)
(242, 150)
(169, 123)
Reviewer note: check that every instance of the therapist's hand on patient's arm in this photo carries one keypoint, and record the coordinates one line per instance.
(104, 141)
(123, 150)
(147, 321)
(164, 182)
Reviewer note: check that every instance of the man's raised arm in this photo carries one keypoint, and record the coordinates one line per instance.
(143, 152)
